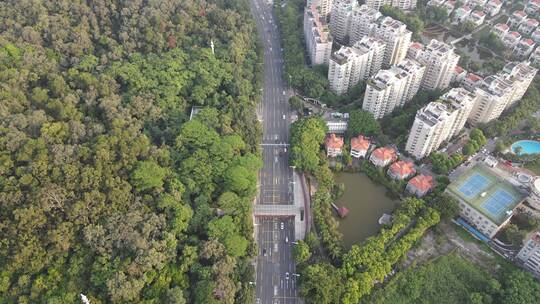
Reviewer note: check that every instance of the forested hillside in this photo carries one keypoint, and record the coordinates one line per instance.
(106, 187)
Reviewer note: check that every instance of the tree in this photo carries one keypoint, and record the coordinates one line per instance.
(307, 135)
(519, 287)
(362, 122)
(301, 252)
(447, 206)
(321, 283)
(147, 175)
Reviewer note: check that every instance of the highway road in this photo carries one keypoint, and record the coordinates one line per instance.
(274, 261)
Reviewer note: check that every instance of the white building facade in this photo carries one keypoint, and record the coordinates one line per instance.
(440, 61)
(397, 38)
(317, 36)
(530, 253)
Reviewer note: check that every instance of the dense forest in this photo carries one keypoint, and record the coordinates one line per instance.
(106, 187)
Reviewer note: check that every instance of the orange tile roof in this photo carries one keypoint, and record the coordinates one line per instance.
(385, 153)
(473, 77)
(359, 143)
(520, 13)
(403, 168)
(334, 142)
(422, 182)
(458, 69)
(502, 26)
(417, 45)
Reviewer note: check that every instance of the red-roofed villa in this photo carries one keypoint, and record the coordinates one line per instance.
(381, 157)
(420, 185)
(401, 170)
(359, 146)
(334, 145)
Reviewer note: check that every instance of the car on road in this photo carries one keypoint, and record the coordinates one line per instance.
(284, 116)
(264, 252)
(281, 226)
(286, 275)
(286, 239)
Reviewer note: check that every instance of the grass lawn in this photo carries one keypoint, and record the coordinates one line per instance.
(534, 167)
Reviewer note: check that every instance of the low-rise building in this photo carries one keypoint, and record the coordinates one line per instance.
(517, 18)
(511, 39)
(486, 200)
(524, 47)
(462, 13)
(493, 7)
(459, 74)
(420, 185)
(477, 17)
(450, 5)
(528, 26)
(529, 254)
(337, 125)
(382, 157)
(472, 81)
(475, 3)
(535, 36)
(359, 146)
(500, 30)
(532, 7)
(401, 170)
(535, 57)
(333, 145)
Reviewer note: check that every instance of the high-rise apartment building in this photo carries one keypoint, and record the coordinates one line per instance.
(324, 6)
(492, 96)
(392, 88)
(401, 4)
(460, 102)
(340, 18)
(363, 23)
(397, 38)
(440, 61)
(521, 74)
(317, 36)
(349, 65)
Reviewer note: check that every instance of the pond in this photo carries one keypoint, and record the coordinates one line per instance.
(366, 202)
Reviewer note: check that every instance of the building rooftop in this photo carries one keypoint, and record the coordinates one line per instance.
(333, 142)
(359, 143)
(465, 8)
(515, 34)
(385, 153)
(439, 48)
(532, 22)
(502, 26)
(403, 168)
(496, 2)
(422, 182)
(526, 42)
(473, 77)
(416, 46)
(519, 14)
(488, 193)
(433, 113)
(458, 70)
(458, 95)
(479, 14)
(391, 24)
(319, 28)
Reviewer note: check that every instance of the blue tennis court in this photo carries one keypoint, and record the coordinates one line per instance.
(473, 185)
(498, 202)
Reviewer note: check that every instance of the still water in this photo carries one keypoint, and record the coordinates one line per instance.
(366, 202)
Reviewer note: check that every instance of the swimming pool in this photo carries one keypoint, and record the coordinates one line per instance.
(527, 147)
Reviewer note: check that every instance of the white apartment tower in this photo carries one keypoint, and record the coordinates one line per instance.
(391, 88)
(363, 23)
(521, 74)
(340, 18)
(397, 38)
(318, 39)
(324, 6)
(460, 102)
(492, 96)
(401, 4)
(530, 253)
(440, 61)
(349, 65)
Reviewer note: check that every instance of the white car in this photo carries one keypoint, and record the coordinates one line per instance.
(286, 239)
(281, 226)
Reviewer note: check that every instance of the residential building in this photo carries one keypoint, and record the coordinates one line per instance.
(477, 17)
(419, 185)
(340, 18)
(472, 81)
(533, 200)
(401, 170)
(333, 145)
(414, 50)
(324, 6)
(462, 13)
(382, 157)
(401, 4)
(449, 5)
(459, 74)
(359, 146)
(392, 88)
(475, 3)
(377, 4)
(440, 61)
(535, 57)
(349, 65)
(337, 125)
(486, 200)
(492, 97)
(435, 2)
(363, 23)
(521, 75)
(529, 254)
(493, 7)
(524, 48)
(459, 103)
(532, 7)
(397, 38)
(528, 26)
(317, 36)
(517, 18)
(500, 30)
(511, 39)
(535, 36)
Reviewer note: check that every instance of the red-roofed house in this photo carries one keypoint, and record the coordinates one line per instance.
(493, 7)
(472, 81)
(383, 156)
(532, 7)
(500, 30)
(459, 74)
(475, 3)
(524, 47)
(420, 185)
(462, 13)
(477, 17)
(401, 170)
(511, 39)
(334, 145)
(528, 26)
(516, 18)
(414, 50)
(359, 146)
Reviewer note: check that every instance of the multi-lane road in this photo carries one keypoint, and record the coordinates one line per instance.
(275, 269)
